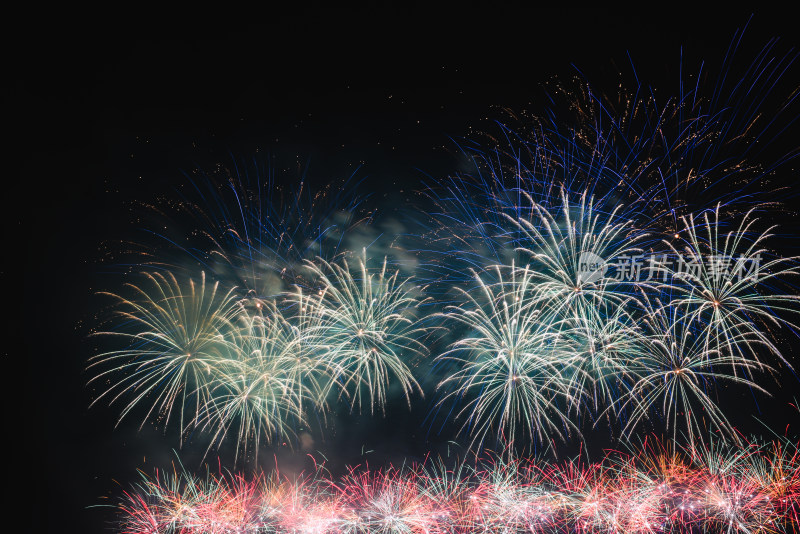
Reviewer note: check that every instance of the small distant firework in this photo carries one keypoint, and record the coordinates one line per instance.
(386, 502)
(263, 246)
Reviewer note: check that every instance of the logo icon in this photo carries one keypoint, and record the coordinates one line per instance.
(591, 268)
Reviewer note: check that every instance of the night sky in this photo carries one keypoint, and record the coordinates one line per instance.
(108, 115)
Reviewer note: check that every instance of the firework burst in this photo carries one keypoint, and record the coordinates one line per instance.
(267, 385)
(679, 377)
(727, 283)
(175, 335)
(367, 329)
(508, 366)
(570, 254)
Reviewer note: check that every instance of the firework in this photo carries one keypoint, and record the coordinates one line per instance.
(175, 335)
(267, 385)
(608, 351)
(245, 228)
(570, 254)
(678, 374)
(508, 369)
(726, 283)
(716, 140)
(505, 220)
(250, 369)
(263, 244)
(367, 330)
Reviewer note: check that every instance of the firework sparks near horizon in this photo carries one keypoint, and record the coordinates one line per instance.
(752, 488)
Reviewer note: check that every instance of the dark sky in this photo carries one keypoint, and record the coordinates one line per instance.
(111, 111)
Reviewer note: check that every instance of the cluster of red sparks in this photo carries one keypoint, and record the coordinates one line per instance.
(749, 489)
